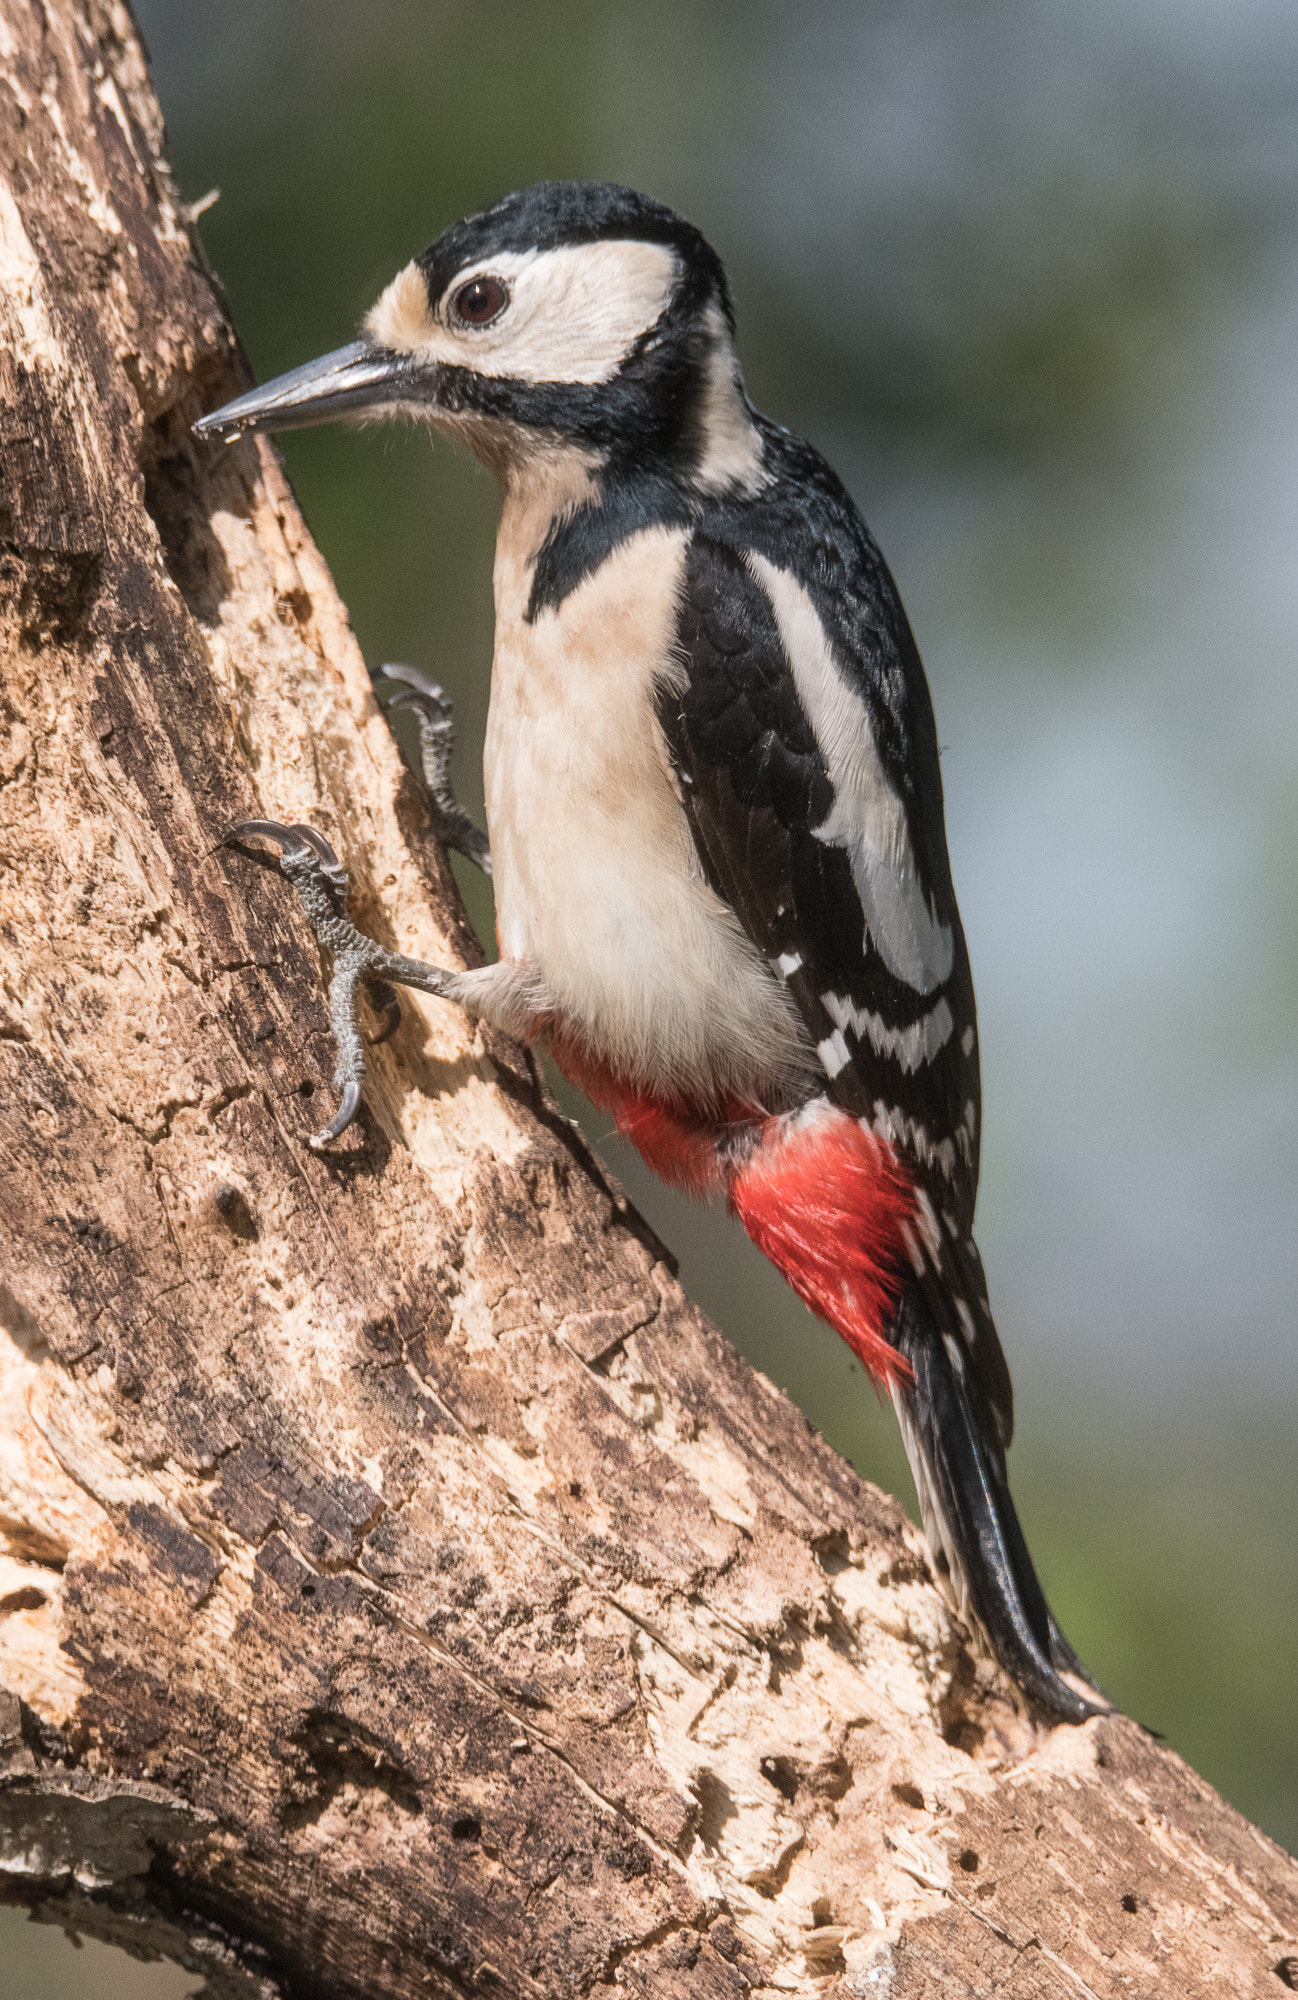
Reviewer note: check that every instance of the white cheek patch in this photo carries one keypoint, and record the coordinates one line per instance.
(574, 314)
(867, 818)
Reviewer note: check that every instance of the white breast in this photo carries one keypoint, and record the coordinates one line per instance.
(598, 885)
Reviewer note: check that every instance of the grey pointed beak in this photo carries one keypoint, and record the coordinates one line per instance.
(360, 376)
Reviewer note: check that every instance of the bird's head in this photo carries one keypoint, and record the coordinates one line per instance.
(571, 315)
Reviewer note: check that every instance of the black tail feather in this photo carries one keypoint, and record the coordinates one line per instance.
(970, 1521)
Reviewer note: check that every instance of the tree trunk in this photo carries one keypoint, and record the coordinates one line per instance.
(403, 1589)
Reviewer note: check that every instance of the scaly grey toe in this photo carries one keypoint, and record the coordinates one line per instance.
(320, 879)
(433, 711)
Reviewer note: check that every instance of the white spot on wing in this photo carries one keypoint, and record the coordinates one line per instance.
(833, 1053)
(909, 1047)
(913, 1250)
(967, 1129)
(867, 818)
(909, 1135)
(954, 1354)
(788, 963)
(927, 1220)
(967, 1041)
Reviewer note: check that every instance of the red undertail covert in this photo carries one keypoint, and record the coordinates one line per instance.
(819, 1193)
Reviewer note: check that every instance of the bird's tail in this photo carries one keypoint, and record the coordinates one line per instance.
(969, 1518)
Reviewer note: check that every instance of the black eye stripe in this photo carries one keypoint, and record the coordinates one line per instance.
(480, 301)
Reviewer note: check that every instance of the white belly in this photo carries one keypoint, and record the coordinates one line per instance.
(598, 886)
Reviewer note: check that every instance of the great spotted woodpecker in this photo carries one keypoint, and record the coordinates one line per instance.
(715, 814)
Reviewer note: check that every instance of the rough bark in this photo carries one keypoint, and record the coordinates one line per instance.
(403, 1589)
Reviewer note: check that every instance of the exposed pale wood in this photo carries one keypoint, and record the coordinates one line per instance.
(403, 1590)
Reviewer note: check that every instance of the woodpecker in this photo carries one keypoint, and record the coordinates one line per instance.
(714, 811)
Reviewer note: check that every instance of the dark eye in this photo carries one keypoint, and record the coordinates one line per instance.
(480, 301)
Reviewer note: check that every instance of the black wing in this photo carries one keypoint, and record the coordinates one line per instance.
(759, 794)
(799, 723)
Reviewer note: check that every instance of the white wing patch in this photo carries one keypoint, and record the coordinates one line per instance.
(909, 1047)
(867, 819)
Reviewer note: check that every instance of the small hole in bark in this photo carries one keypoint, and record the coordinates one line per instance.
(779, 1771)
(1287, 1973)
(1129, 1905)
(969, 1861)
(467, 1828)
(26, 1599)
(308, 1590)
(235, 1210)
(306, 1088)
(834, 1553)
(909, 1795)
(962, 1734)
(574, 1488)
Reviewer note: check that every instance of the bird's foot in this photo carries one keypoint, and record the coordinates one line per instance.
(432, 709)
(320, 879)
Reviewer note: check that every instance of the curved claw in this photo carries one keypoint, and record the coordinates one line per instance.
(341, 1119)
(293, 839)
(415, 679)
(419, 704)
(289, 838)
(317, 841)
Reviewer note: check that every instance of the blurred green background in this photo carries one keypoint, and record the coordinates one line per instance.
(1026, 272)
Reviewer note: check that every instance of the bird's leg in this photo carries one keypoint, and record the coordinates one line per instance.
(432, 711)
(499, 994)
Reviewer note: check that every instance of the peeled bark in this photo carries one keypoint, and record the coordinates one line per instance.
(403, 1589)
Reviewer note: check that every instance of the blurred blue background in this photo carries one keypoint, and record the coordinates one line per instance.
(1026, 273)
